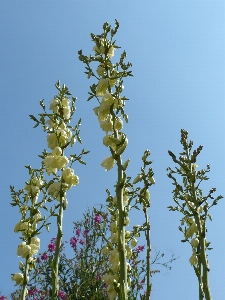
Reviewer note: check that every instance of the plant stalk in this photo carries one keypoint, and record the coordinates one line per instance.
(121, 235)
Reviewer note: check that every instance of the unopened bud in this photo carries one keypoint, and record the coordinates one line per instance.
(137, 179)
(146, 154)
(152, 180)
(125, 165)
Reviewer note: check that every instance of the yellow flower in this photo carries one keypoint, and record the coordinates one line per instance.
(18, 278)
(108, 163)
(102, 87)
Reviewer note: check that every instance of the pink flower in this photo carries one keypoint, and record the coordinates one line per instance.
(81, 242)
(140, 249)
(44, 256)
(86, 232)
(78, 232)
(73, 242)
(97, 219)
(51, 247)
(31, 292)
(62, 295)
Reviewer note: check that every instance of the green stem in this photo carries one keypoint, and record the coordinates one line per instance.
(200, 291)
(148, 257)
(203, 279)
(25, 275)
(121, 235)
(55, 267)
(24, 289)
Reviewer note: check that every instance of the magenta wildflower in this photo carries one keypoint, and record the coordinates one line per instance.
(44, 256)
(2, 298)
(78, 232)
(62, 295)
(51, 247)
(97, 219)
(140, 249)
(73, 242)
(31, 292)
(81, 242)
(86, 232)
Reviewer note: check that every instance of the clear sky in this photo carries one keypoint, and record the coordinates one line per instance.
(177, 49)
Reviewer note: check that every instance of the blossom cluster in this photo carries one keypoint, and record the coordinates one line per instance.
(59, 136)
(27, 226)
(111, 102)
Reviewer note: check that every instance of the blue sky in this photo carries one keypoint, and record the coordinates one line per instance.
(177, 49)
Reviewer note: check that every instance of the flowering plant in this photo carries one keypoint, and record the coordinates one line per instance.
(81, 275)
(194, 207)
(106, 263)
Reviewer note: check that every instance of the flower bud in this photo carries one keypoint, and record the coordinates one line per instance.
(122, 148)
(118, 124)
(194, 243)
(125, 165)
(152, 180)
(105, 250)
(137, 179)
(200, 209)
(110, 53)
(193, 259)
(21, 266)
(127, 221)
(145, 196)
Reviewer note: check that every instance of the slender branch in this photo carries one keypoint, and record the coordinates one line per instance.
(55, 267)
(148, 257)
(121, 235)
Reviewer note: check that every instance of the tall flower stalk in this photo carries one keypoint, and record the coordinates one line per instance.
(111, 113)
(59, 136)
(194, 206)
(30, 224)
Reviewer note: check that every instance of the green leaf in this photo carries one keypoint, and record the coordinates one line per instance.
(79, 139)
(42, 104)
(210, 217)
(82, 162)
(33, 118)
(85, 152)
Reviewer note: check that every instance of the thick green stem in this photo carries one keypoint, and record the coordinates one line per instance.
(148, 257)
(199, 270)
(202, 232)
(26, 270)
(24, 289)
(121, 235)
(55, 267)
